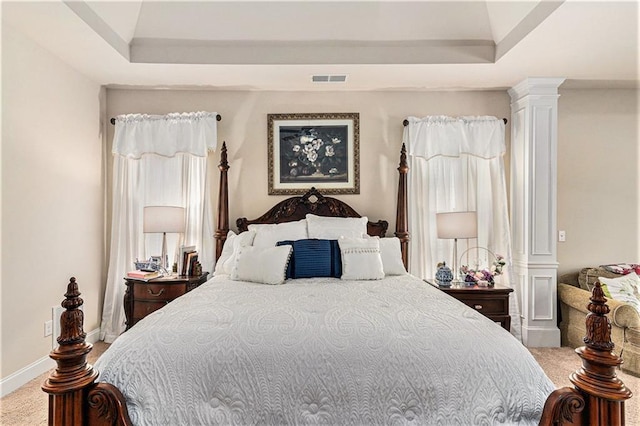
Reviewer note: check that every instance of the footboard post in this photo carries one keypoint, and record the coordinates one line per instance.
(598, 397)
(74, 397)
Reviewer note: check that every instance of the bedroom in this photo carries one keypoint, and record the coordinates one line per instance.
(55, 120)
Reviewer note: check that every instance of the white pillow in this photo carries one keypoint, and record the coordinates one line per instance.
(332, 228)
(392, 256)
(267, 235)
(230, 251)
(361, 259)
(625, 289)
(261, 265)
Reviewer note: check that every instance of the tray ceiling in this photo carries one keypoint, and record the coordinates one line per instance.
(266, 45)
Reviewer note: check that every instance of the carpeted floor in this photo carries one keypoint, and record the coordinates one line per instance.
(27, 406)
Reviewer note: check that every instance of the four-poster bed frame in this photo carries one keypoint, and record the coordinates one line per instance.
(75, 398)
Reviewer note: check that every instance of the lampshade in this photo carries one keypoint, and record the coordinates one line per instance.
(457, 225)
(163, 219)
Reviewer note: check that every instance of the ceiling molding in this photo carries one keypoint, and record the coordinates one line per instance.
(162, 51)
(97, 24)
(528, 24)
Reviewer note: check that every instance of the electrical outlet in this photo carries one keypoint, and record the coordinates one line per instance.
(562, 236)
(48, 328)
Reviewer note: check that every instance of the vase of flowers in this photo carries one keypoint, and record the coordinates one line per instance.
(484, 276)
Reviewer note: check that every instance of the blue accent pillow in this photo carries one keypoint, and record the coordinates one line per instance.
(314, 258)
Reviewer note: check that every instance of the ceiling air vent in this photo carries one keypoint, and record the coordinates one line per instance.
(329, 78)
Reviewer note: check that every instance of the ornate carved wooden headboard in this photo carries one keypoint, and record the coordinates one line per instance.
(296, 208)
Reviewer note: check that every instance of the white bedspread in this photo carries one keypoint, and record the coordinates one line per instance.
(323, 351)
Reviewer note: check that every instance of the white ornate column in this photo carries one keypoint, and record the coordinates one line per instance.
(534, 137)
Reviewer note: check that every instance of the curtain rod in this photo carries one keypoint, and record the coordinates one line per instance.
(405, 122)
(218, 118)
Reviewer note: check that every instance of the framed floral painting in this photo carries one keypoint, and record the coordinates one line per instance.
(314, 150)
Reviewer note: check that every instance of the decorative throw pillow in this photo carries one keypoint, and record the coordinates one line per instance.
(314, 258)
(625, 289)
(588, 276)
(361, 259)
(230, 251)
(333, 228)
(267, 235)
(391, 256)
(622, 268)
(261, 265)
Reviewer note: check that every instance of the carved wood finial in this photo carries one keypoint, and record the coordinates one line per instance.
(598, 325)
(403, 168)
(224, 164)
(72, 318)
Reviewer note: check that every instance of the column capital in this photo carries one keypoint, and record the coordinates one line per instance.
(538, 86)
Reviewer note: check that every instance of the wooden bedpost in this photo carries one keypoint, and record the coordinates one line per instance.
(402, 221)
(598, 396)
(74, 396)
(223, 202)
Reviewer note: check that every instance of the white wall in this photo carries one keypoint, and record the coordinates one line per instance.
(52, 198)
(598, 177)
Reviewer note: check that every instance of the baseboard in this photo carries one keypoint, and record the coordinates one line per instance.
(33, 370)
(535, 337)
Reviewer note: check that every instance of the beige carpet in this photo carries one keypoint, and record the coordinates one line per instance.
(27, 406)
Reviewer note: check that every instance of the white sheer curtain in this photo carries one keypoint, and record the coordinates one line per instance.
(158, 160)
(456, 164)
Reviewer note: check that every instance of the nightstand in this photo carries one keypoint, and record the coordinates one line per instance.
(143, 297)
(492, 302)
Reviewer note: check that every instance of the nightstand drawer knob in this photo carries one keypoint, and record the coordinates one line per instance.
(158, 294)
(478, 307)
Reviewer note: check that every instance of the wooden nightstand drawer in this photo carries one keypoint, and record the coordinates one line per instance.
(492, 302)
(149, 291)
(486, 306)
(142, 309)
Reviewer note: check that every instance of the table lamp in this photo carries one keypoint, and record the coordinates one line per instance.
(454, 225)
(163, 219)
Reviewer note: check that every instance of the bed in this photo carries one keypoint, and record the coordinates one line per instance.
(322, 349)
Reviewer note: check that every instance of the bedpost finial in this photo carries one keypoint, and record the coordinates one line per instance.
(72, 318)
(403, 168)
(597, 323)
(224, 164)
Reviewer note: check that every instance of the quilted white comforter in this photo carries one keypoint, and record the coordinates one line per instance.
(323, 351)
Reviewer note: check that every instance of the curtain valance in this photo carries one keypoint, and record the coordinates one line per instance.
(193, 133)
(452, 136)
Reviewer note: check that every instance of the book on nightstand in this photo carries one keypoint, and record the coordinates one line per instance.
(143, 275)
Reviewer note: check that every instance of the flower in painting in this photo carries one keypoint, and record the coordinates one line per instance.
(314, 151)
